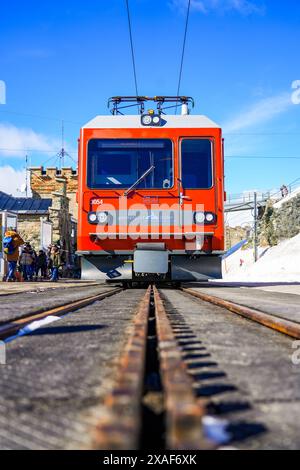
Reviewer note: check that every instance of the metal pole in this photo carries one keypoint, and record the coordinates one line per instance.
(255, 242)
(26, 170)
(62, 162)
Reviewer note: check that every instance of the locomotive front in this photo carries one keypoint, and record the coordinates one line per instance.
(151, 195)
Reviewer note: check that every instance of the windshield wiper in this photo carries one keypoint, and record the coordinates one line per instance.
(138, 181)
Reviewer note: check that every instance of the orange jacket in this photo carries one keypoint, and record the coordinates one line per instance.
(17, 241)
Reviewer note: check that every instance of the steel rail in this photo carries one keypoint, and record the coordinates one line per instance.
(183, 411)
(279, 324)
(120, 425)
(12, 327)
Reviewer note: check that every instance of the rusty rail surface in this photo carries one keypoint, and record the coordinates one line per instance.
(120, 424)
(183, 411)
(281, 325)
(12, 327)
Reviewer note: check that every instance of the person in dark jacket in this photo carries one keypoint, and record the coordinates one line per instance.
(32, 267)
(26, 262)
(41, 265)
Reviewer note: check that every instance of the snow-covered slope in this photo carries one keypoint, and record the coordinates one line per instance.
(280, 263)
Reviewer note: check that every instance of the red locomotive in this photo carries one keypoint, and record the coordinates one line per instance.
(151, 194)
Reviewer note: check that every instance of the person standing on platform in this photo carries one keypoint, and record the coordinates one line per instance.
(56, 263)
(11, 243)
(41, 265)
(26, 262)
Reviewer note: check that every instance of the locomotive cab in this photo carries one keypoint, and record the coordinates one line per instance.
(151, 195)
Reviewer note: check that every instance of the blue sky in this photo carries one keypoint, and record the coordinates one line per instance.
(63, 59)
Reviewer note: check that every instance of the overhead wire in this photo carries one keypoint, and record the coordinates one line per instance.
(261, 157)
(132, 48)
(31, 150)
(183, 49)
(38, 116)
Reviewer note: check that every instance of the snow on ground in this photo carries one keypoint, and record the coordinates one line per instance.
(280, 263)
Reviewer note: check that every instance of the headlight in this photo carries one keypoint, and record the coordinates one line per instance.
(102, 217)
(98, 218)
(209, 217)
(150, 120)
(92, 217)
(199, 217)
(205, 218)
(146, 120)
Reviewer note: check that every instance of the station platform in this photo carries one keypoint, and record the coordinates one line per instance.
(280, 300)
(7, 288)
(35, 299)
(52, 388)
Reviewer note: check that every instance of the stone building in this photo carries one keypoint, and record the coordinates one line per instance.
(44, 182)
(61, 186)
(54, 201)
(30, 211)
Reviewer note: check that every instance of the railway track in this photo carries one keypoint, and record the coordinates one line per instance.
(122, 426)
(274, 322)
(151, 400)
(277, 323)
(12, 327)
(170, 344)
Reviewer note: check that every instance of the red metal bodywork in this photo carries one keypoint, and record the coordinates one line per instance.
(212, 199)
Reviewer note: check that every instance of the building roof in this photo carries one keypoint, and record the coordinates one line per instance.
(24, 205)
(134, 121)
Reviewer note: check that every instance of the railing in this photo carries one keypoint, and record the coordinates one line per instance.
(244, 198)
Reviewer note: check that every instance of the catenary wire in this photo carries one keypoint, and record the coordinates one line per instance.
(132, 48)
(183, 49)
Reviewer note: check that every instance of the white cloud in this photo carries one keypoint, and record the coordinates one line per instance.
(262, 111)
(15, 141)
(12, 180)
(244, 7)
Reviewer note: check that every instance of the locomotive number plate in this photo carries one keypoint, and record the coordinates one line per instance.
(97, 202)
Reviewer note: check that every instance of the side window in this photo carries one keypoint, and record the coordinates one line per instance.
(196, 161)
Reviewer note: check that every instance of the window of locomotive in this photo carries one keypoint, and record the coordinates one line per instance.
(195, 164)
(103, 172)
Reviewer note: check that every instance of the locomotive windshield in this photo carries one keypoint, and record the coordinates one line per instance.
(119, 163)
